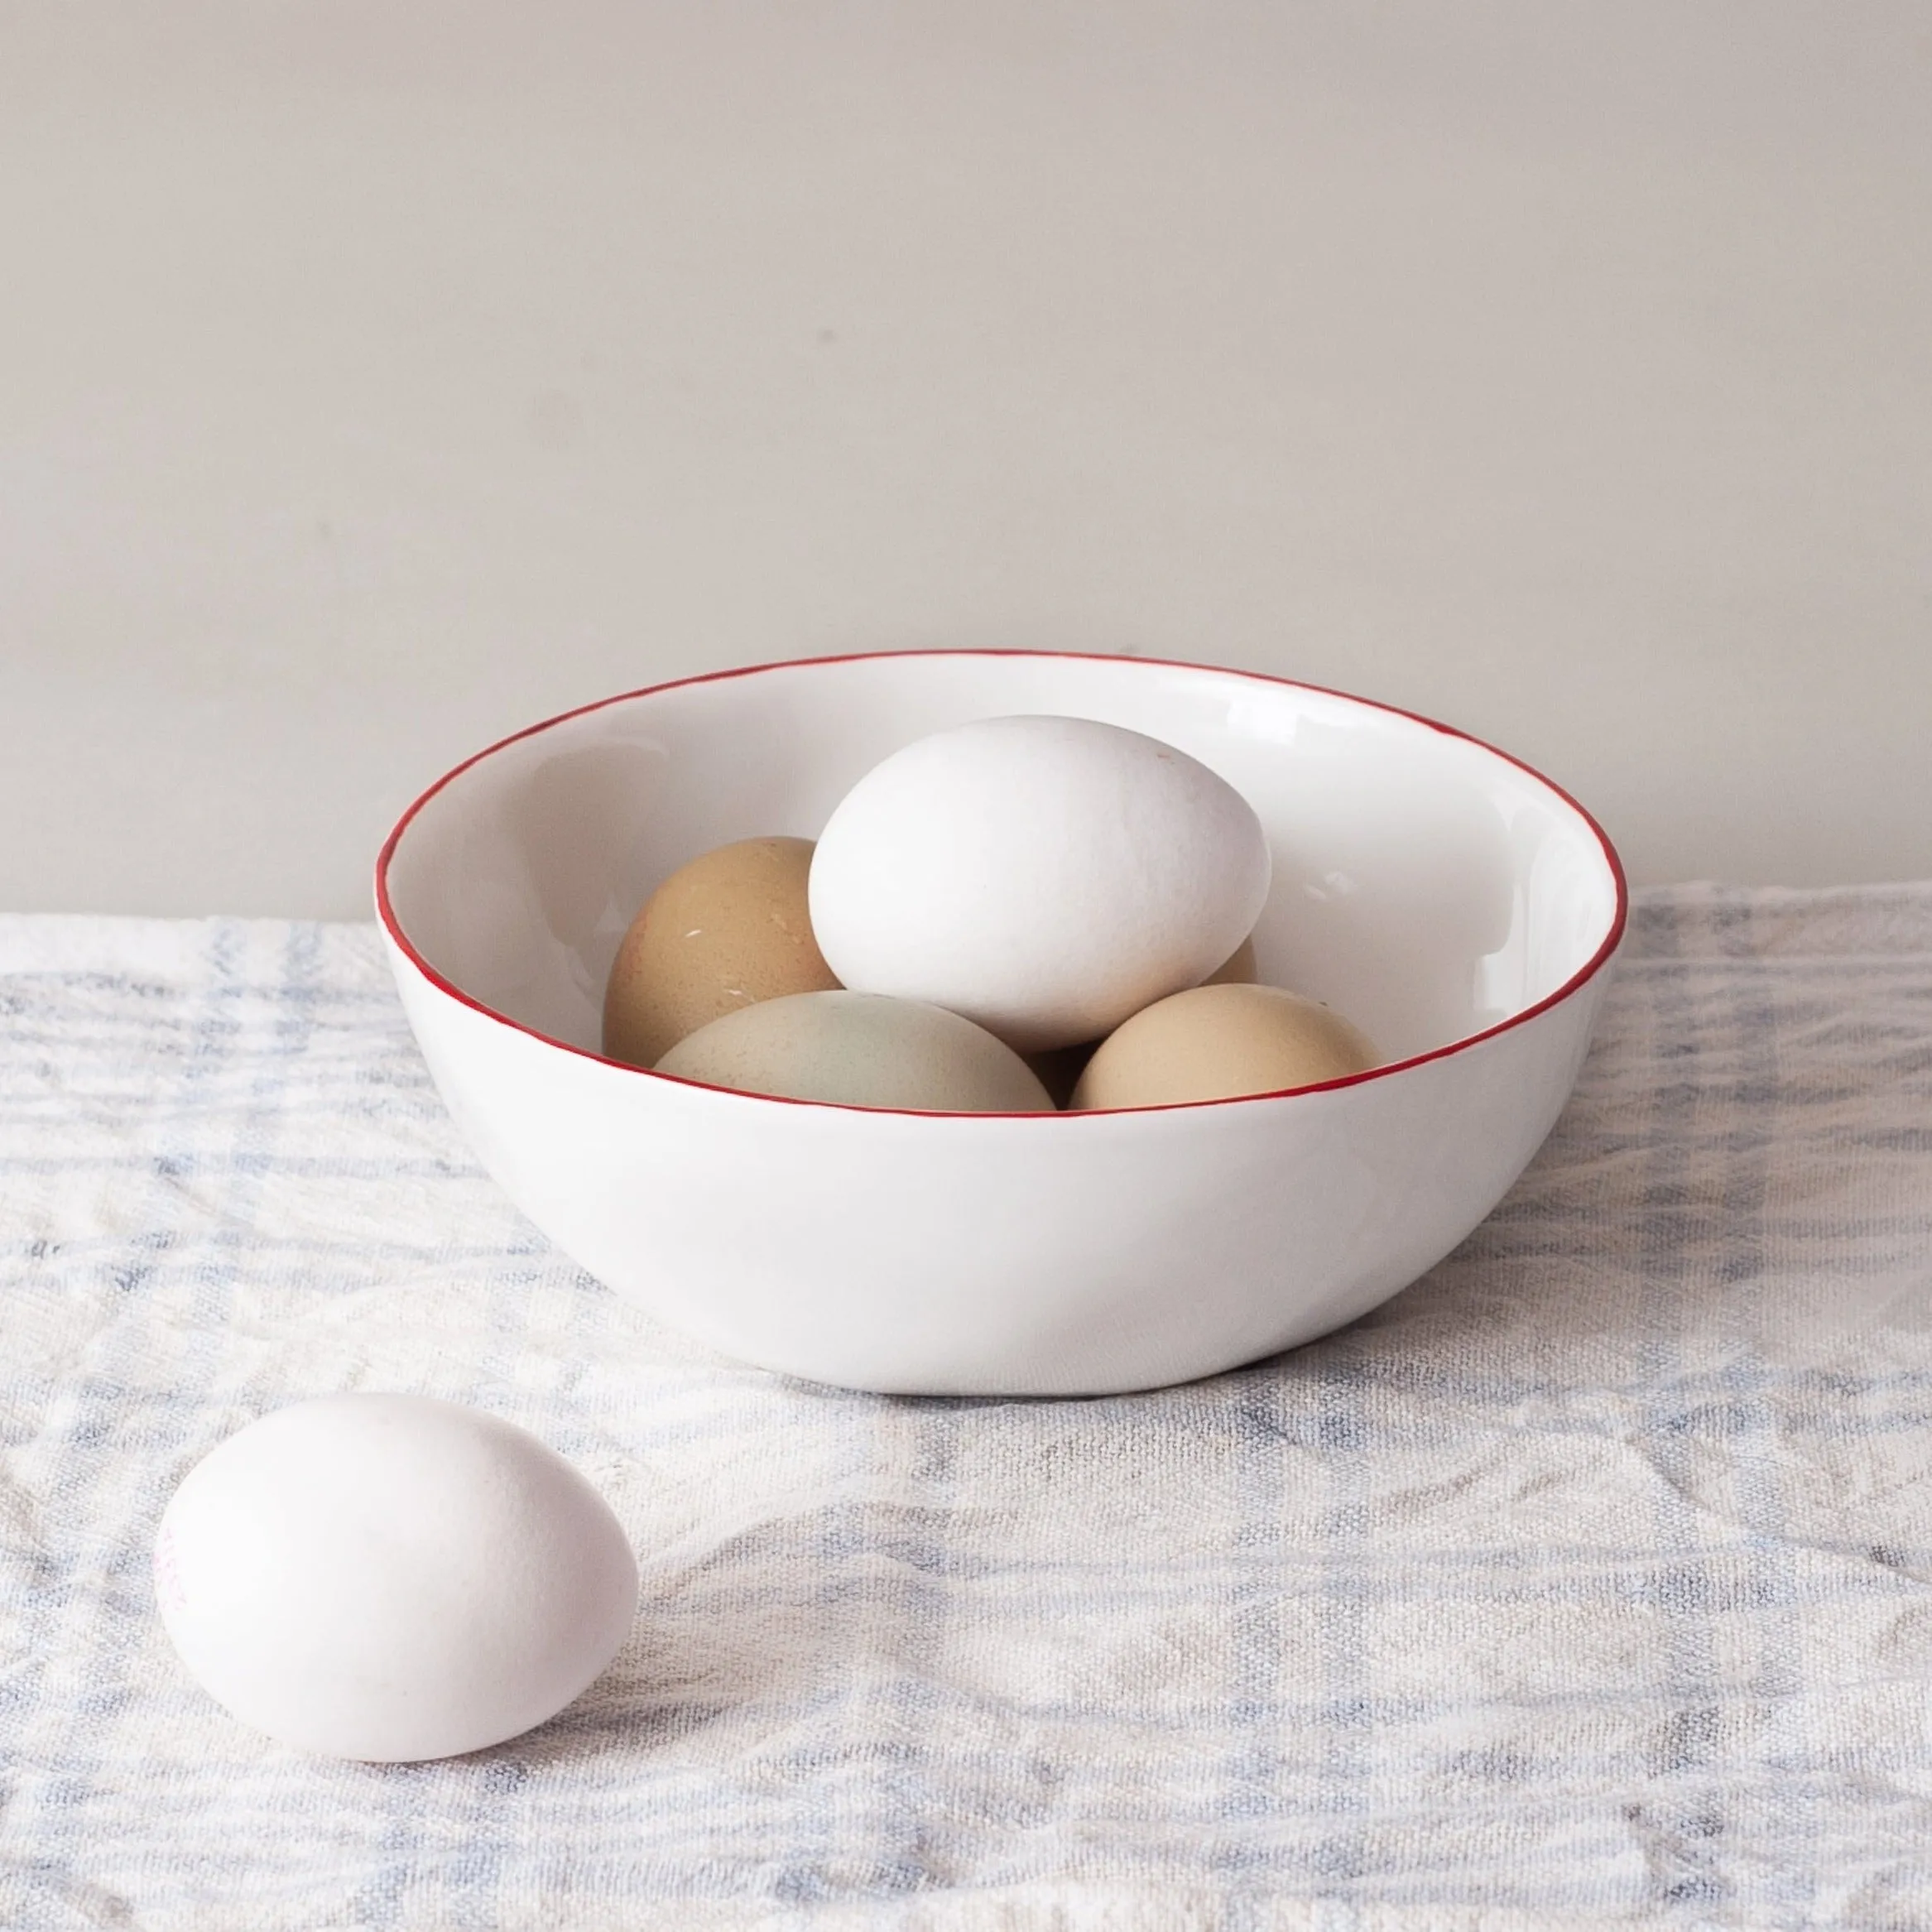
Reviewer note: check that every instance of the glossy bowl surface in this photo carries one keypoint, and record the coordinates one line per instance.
(1454, 904)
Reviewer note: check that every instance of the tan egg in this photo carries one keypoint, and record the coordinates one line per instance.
(862, 1050)
(1060, 1068)
(1216, 1042)
(1237, 969)
(727, 930)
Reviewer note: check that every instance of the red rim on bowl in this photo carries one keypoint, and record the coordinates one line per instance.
(386, 912)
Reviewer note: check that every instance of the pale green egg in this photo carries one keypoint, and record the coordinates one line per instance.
(860, 1049)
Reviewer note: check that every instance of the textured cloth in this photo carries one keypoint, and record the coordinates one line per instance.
(1589, 1582)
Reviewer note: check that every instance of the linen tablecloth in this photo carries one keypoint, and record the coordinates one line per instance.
(1589, 1582)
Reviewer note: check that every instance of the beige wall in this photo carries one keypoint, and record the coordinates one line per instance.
(375, 378)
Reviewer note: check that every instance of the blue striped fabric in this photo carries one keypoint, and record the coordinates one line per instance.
(1589, 1582)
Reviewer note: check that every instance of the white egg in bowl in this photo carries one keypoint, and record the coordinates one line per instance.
(1455, 905)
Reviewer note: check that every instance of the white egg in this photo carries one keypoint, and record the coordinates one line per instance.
(390, 1578)
(1045, 876)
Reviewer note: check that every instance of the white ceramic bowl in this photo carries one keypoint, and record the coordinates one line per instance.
(1453, 903)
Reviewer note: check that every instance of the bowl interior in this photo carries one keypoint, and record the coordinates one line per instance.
(1425, 885)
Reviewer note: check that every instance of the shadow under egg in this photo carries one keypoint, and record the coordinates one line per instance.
(1060, 1068)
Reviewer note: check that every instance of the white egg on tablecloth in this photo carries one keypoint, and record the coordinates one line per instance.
(1045, 876)
(392, 1578)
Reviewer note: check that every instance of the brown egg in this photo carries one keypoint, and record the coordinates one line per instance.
(1216, 1042)
(726, 931)
(1238, 968)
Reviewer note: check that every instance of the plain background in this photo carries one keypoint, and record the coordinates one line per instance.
(375, 379)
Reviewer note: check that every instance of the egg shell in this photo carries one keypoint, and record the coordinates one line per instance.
(1218, 1042)
(860, 1049)
(724, 931)
(1045, 876)
(390, 1578)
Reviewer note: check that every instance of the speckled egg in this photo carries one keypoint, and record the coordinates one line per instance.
(725, 931)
